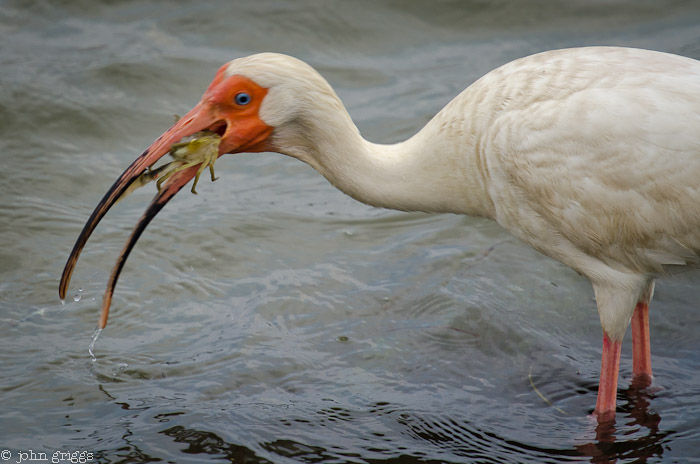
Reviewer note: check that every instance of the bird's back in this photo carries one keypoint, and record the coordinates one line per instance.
(593, 152)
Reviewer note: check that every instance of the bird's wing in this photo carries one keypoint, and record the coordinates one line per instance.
(610, 161)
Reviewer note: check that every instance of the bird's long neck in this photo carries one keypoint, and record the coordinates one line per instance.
(437, 170)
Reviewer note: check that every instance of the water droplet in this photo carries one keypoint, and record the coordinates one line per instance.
(80, 290)
(349, 233)
(91, 348)
(77, 297)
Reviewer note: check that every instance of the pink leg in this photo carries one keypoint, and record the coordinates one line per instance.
(641, 360)
(607, 389)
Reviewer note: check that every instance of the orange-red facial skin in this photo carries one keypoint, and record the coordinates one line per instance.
(245, 131)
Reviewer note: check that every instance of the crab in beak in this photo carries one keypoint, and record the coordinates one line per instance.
(230, 107)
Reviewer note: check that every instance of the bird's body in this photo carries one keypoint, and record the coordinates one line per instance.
(590, 155)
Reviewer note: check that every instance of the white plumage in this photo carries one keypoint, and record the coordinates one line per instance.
(589, 155)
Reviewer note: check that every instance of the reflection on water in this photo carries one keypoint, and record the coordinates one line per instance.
(208, 443)
(450, 438)
(639, 439)
(270, 318)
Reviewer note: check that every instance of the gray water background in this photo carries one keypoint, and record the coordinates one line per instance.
(271, 318)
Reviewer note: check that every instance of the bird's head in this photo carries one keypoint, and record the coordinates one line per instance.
(248, 103)
(253, 103)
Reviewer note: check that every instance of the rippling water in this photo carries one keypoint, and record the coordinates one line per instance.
(270, 318)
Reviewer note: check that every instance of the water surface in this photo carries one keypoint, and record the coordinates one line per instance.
(271, 318)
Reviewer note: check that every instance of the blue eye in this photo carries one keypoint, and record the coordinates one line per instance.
(242, 98)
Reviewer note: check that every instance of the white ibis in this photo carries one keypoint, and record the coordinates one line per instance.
(590, 155)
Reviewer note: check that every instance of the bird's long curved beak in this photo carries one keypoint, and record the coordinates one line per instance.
(201, 117)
